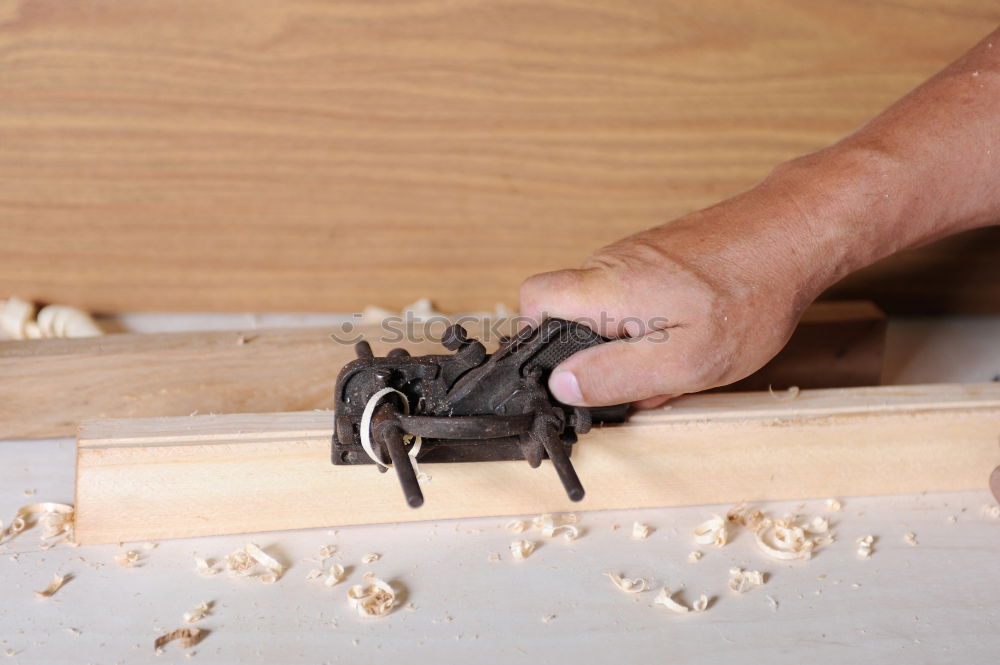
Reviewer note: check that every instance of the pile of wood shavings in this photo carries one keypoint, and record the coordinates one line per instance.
(376, 598)
(785, 539)
(244, 562)
(56, 520)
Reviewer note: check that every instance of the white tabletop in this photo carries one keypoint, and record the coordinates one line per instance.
(937, 601)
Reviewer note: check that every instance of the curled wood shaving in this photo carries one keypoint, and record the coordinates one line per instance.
(198, 613)
(127, 559)
(910, 539)
(865, 546)
(522, 549)
(244, 562)
(712, 532)
(516, 526)
(833, 505)
(56, 520)
(551, 525)
(19, 321)
(665, 598)
(787, 396)
(783, 541)
(327, 551)
(187, 637)
(56, 584)
(205, 566)
(641, 531)
(331, 577)
(695, 555)
(742, 581)
(991, 510)
(627, 585)
(376, 598)
(371, 557)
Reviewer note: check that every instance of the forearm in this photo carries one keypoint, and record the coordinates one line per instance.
(927, 167)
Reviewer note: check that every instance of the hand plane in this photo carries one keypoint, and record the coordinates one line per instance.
(469, 406)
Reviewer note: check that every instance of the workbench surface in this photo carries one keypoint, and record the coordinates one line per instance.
(935, 601)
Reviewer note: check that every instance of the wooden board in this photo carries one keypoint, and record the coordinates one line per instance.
(49, 386)
(206, 475)
(322, 156)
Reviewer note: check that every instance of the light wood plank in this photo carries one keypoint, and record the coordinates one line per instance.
(49, 386)
(206, 475)
(322, 156)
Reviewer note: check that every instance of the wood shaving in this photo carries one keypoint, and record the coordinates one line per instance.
(991, 510)
(548, 618)
(552, 525)
(786, 396)
(742, 581)
(150, 546)
(627, 585)
(865, 546)
(326, 552)
(187, 637)
(198, 613)
(910, 539)
(205, 566)
(666, 599)
(19, 321)
(56, 520)
(376, 598)
(331, 577)
(745, 516)
(641, 531)
(244, 562)
(493, 557)
(784, 539)
(695, 556)
(127, 559)
(516, 526)
(522, 549)
(833, 505)
(773, 602)
(371, 557)
(56, 584)
(712, 532)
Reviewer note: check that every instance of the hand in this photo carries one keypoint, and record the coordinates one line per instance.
(699, 302)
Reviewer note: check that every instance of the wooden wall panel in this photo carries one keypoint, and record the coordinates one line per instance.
(306, 155)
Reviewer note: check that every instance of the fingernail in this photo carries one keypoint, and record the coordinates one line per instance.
(566, 388)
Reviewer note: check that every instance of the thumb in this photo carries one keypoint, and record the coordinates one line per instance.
(626, 371)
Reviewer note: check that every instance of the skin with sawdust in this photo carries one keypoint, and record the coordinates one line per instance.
(732, 280)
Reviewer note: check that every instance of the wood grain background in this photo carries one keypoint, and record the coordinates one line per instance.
(307, 155)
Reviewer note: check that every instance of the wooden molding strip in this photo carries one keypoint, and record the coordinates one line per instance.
(208, 475)
(50, 386)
